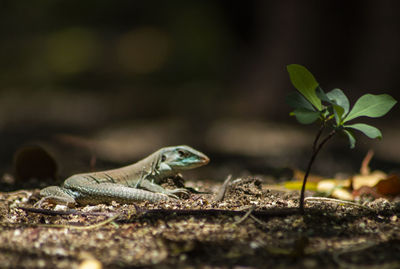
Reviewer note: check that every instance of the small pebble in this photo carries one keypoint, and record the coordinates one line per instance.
(90, 264)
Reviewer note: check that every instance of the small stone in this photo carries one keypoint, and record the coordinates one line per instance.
(41, 263)
(380, 204)
(100, 236)
(90, 264)
(60, 208)
(310, 263)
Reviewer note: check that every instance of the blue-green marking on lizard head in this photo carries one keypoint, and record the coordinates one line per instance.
(181, 158)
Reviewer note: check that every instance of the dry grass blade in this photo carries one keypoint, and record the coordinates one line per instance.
(224, 188)
(251, 209)
(93, 226)
(66, 212)
(319, 199)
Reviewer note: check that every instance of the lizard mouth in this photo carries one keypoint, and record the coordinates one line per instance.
(205, 160)
(197, 161)
(201, 159)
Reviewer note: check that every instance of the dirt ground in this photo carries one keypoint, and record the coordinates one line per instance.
(252, 225)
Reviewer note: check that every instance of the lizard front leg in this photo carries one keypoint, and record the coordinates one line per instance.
(144, 182)
(153, 187)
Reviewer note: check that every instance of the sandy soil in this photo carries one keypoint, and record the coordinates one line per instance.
(252, 226)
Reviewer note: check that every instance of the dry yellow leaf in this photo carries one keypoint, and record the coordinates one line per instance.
(342, 194)
(336, 188)
(369, 180)
(328, 185)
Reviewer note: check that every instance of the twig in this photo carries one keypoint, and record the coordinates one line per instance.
(60, 212)
(251, 209)
(12, 193)
(93, 226)
(146, 213)
(317, 199)
(364, 169)
(222, 191)
(258, 220)
(69, 212)
(266, 213)
(352, 249)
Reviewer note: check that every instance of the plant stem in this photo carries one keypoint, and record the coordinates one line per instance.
(316, 149)
(321, 129)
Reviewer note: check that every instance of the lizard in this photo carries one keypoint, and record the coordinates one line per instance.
(136, 182)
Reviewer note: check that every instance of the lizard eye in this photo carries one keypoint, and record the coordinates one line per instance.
(181, 153)
(163, 158)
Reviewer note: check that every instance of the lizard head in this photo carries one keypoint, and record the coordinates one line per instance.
(181, 158)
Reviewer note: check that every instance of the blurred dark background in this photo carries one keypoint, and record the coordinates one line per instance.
(100, 83)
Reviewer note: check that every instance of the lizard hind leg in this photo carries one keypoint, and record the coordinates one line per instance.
(56, 195)
(89, 192)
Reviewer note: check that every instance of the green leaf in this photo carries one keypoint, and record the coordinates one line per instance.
(370, 105)
(352, 139)
(368, 130)
(340, 99)
(339, 112)
(296, 100)
(305, 83)
(305, 116)
(322, 95)
(339, 102)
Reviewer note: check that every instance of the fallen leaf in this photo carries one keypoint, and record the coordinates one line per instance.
(342, 194)
(336, 188)
(328, 185)
(369, 180)
(389, 185)
(377, 183)
(296, 185)
(366, 190)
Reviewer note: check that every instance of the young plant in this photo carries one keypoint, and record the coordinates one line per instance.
(332, 110)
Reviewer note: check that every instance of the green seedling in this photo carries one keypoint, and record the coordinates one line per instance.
(332, 111)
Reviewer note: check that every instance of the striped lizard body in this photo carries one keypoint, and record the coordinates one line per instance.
(137, 182)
